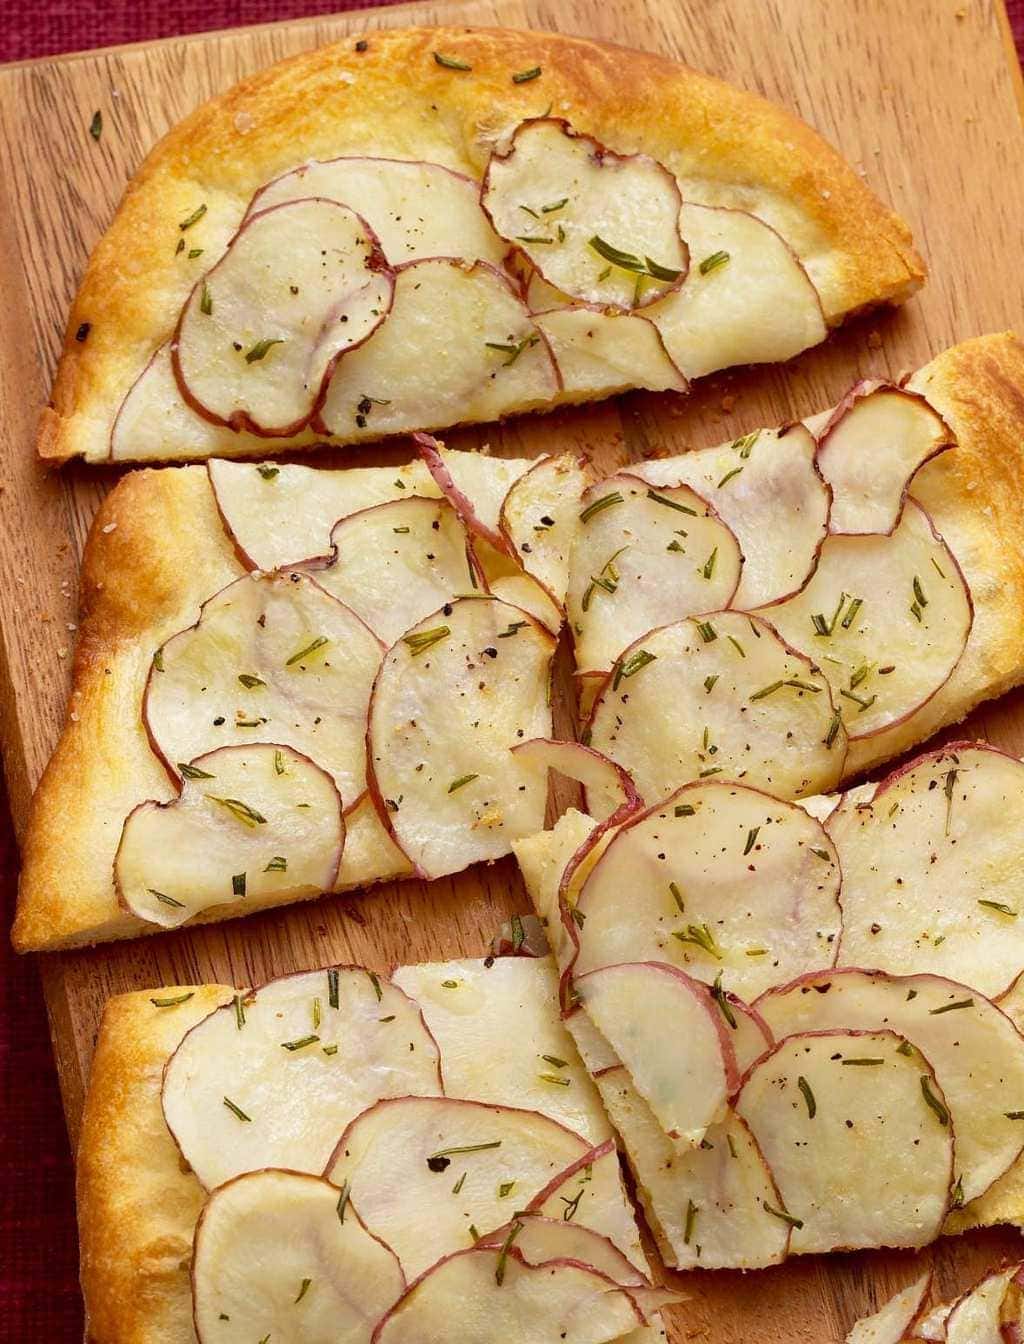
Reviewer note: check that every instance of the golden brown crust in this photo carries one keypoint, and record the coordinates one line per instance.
(727, 147)
(137, 1203)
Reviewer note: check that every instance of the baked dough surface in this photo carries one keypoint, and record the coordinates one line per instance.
(726, 146)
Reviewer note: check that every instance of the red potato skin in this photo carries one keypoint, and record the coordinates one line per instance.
(865, 388)
(429, 450)
(903, 718)
(242, 420)
(304, 1175)
(154, 745)
(253, 993)
(372, 785)
(300, 172)
(684, 387)
(600, 153)
(512, 1254)
(491, 1240)
(201, 761)
(506, 531)
(588, 1159)
(631, 800)
(950, 749)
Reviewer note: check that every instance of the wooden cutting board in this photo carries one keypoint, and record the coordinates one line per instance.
(922, 96)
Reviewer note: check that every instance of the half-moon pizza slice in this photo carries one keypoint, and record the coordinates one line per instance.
(434, 226)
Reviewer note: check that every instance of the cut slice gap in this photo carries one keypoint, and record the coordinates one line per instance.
(829, 1133)
(976, 1051)
(719, 695)
(493, 361)
(747, 298)
(706, 1205)
(751, 482)
(644, 558)
(610, 790)
(452, 697)
(504, 577)
(931, 869)
(300, 285)
(503, 1300)
(600, 353)
(686, 1074)
(393, 564)
(275, 1259)
(426, 1173)
(261, 824)
(273, 1078)
(272, 658)
(540, 517)
(599, 226)
(724, 882)
(885, 617)
(869, 451)
(416, 209)
(895, 1321)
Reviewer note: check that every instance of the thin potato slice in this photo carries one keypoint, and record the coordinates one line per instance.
(747, 298)
(885, 617)
(272, 658)
(540, 517)
(275, 1260)
(894, 1322)
(599, 353)
(540, 1240)
(870, 450)
(751, 483)
(722, 881)
(686, 1074)
(976, 1051)
(393, 564)
(452, 698)
(300, 285)
(273, 1078)
(459, 346)
(706, 1205)
(416, 209)
(261, 824)
(599, 226)
(719, 695)
(838, 1113)
(423, 1171)
(492, 1296)
(977, 1317)
(612, 789)
(931, 866)
(591, 1194)
(644, 558)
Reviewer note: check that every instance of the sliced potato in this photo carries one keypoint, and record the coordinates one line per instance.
(590, 1194)
(719, 880)
(931, 869)
(272, 658)
(885, 617)
(719, 695)
(275, 1259)
(459, 346)
(299, 286)
(416, 209)
(831, 1131)
(259, 823)
(273, 1078)
(543, 859)
(425, 1173)
(277, 515)
(685, 1075)
(468, 1006)
(599, 226)
(894, 1322)
(706, 1205)
(541, 1240)
(395, 563)
(500, 1299)
(977, 1317)
(870, 450)
(751, 483)
(540, 517)
(747, 298)
(976, 1051)
(642, 559)
(599, 353)
(452, 698)
(611, 789)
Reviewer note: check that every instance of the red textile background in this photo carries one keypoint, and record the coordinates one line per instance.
(38, 1251)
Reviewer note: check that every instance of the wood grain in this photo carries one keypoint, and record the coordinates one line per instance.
(922, 96)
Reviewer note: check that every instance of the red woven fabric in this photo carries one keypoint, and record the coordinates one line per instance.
(38, 1252)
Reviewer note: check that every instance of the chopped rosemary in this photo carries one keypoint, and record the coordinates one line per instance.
(193, 218)
(629, 261)
(205, 300)
(862, 1063)
(744, 445)
(1000, 906)
(833, 728)
(513, 349)
(468, 1148)
(343, 1199)
(728, 477)
(933, 1101)
(250, 681)
(751, 840)
(461, 782)
(708, 568)
(684, 810)
(173, 1002)
(713, 262)
(505, 1189)
(808, 1096)
(332, 988)
(193, 772)
(237, 1110)
(96, 125)
(691, 1219)
(706, 631)
(301, 1043)
(239, 1012)
(278, 864)
(260, 349)
(632, 665)
(242, 812)
(919, 592)
(670, 503)
(555, 205)
(238, 884)
(951, 1007)
(450, 62)
(710, 681)
(524, 76)
(302, 1291)
(518, 932)
(499, 1268)
(599, 505)
(554, 1078)
(784, 1214)
(278, 762)
(422, 640)
(701, 936)
(558, 1063)
(374, 980)
(721, 998)
(167, 900)
(673, 887)
(317, 643)
(456, 1188)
